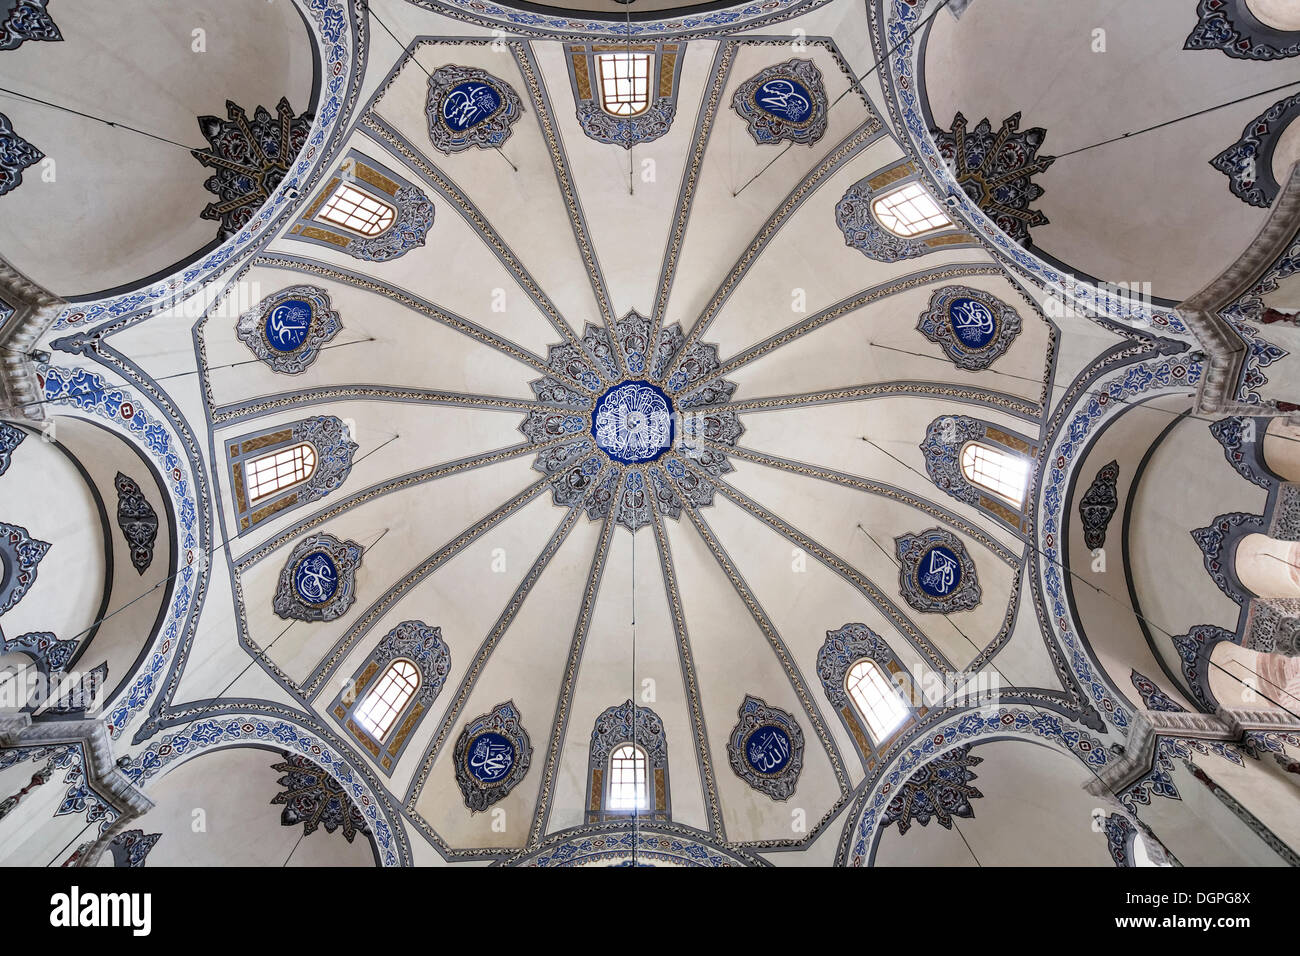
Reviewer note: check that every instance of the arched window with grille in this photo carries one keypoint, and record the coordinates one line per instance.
(279, 468)
(909, 211)
(388, 698)
(624, 82)
(355, 210)
(996, 471)
(627, 772)
(268, 475)
(878, 703)
(627, 778)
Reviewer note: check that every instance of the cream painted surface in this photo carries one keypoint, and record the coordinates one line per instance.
(123, 205)
(1250, 680)
(1026, 788)
(239, 825)
(1082, 98)
(1282, 448)
(1278, 14)
(1268, 567)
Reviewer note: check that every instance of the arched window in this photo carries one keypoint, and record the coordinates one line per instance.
(627, 778)
(272, 473)
(357, 211)
(875, 699)
(624, 82)
(996, 471)
(389, 698)
(909, 211)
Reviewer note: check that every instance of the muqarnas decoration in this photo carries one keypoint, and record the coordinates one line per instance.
(16, 154)
(469, 108)
(936, 572)
(1230, 26)
(996, 169)
(250, 159)
(784, 102)
(315, 799)
(940, 790)
(318, 582)
(972, 326)
(10, 439)
(20, 553)
(492, 755)
(1248, 163)
(288, 329)
(26, 20)
(1098, 505)
(137, 520)
(766, 749)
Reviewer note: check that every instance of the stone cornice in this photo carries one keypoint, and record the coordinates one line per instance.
(1225, 350)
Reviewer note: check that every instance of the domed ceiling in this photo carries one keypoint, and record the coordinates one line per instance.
(627, 429)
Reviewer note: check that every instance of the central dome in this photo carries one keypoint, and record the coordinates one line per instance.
(633, 422)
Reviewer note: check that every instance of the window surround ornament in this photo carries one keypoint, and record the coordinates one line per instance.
(20, 554)
(1232, 27)
(318, 581)
(334, 449)
(469, 108)
(287, 330)
(412, 641)
(413, 212)
(863, 231)
(975, 328)
(766, 748)
(1248, 163)
(945, 440)
(662, 81)
(995, 470)
(492, 754)
(845, 647)
(936, 573)
(785, 102)
(641, 727)
(883, 716)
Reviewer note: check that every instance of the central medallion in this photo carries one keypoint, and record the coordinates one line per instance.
(633, 422)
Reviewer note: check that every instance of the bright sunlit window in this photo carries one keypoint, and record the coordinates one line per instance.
(357, 211)
(627, 778)
(624, 82)
(997, 471)
(380, 710)
(273, 473)
(909, 211)
(875, 698)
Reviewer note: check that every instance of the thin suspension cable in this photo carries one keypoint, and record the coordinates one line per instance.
(97, 119)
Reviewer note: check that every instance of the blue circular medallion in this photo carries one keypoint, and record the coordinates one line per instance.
(489, 757)
(785, 98)
(468, 104)
(633, 422)
(316, 578)
(768, 749)
(287, 324)
(973, 322)
(938, 573)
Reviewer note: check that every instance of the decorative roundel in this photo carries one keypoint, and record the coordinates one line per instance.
(938, 573)
(468, 104)
(786, 98)
(469, 108)
(974, 324)
(490, 757)
(316, 578)
(768, 750)
(286, 326)
(633, 422)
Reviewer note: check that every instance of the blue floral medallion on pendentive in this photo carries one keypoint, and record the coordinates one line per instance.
(489, 757)
(316, 578)
(633, 422)
(468, 104)
(973, 322)
(936, 573)
(973, 327)
(784, 102)
(939, 572)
